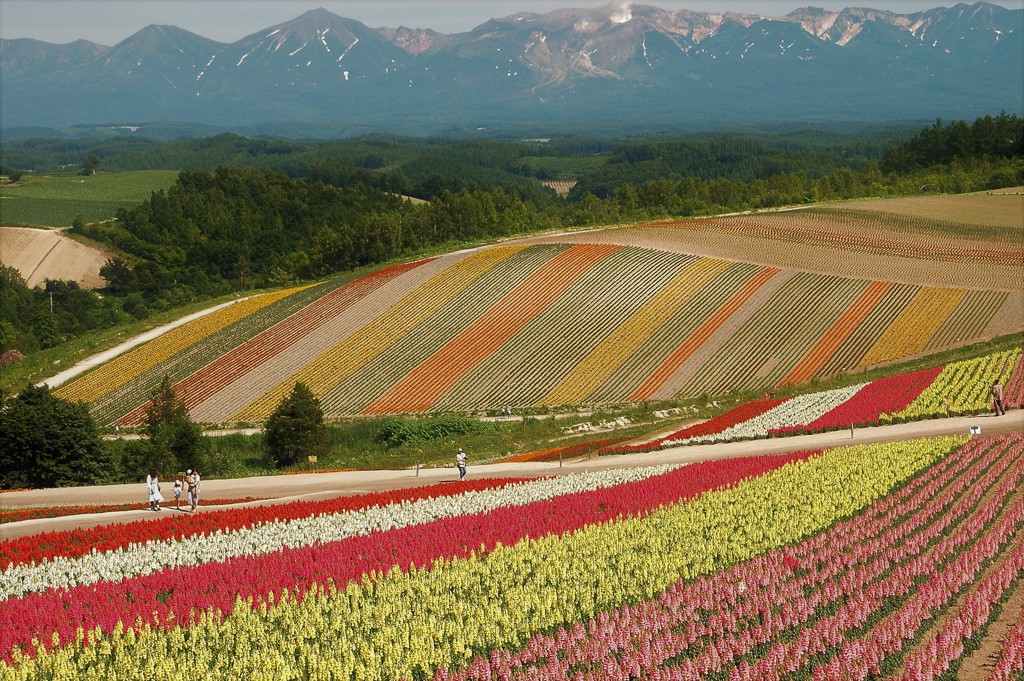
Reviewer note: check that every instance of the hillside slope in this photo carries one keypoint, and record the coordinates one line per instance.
(746, 302)
(40, 254)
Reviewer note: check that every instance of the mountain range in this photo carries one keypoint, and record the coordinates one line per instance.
(620, 65)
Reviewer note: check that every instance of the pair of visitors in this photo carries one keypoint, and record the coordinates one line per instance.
(153, 487)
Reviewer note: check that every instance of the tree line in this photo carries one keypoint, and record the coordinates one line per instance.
(46, 441)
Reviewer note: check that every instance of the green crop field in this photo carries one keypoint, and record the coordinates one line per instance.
(55, 200)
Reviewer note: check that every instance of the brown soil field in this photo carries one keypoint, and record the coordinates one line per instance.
(40, 254)
(997, 208)
(970, 241)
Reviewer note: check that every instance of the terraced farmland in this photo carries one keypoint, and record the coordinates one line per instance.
(626, 314)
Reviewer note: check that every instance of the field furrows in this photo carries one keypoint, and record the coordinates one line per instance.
(368, 383)
(688, 316)
(234, 396)
(968, 319)
(820, 257)
(623, 342)
(128, 366)
(914, 327)
(366, 342)
(777, 335)
(850, 352)
(555, 341)
(868, 231)
(127, 404)
(426, 384)
(836, 335)
(705, 343)
(258, 347)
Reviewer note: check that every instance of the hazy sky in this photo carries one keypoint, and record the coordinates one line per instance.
(109, 21)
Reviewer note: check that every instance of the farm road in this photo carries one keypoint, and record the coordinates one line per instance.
(313, 486)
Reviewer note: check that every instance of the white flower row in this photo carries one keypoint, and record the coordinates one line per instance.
(797, 411)
(144, 558)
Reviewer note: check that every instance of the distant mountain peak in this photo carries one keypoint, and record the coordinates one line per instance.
(621, 59)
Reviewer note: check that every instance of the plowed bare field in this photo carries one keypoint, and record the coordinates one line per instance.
(40, 254)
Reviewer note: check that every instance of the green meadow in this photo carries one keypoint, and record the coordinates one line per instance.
(55, 200)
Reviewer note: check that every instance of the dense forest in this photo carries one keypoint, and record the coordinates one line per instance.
(247, 214)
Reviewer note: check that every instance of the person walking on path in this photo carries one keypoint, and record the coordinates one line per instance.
(460, 463)
(153, 486)
(997, 398)
(193, 488)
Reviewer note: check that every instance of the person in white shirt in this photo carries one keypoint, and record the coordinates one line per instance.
(460, 463)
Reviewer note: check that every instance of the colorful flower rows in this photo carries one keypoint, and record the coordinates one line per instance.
(960, 388)
(955, 389)
(410, 601)
(839, 605)
(349, 354)
(192, 590)
(455, 336)
(431, 379)
(866, 406)
(915, 326)
(126, 367)
(614, 350)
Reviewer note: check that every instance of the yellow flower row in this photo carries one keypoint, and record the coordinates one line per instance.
(119, 371)
(624, 341)
(960, 388)
(407, 624)
(362, 346)
(910, 332)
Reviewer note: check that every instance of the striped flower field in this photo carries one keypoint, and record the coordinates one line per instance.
(887, 559)
(539, 324)
(957, 389)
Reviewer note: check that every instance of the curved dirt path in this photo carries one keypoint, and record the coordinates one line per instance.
(284, 488)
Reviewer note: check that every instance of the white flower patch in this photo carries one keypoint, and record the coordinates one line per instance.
(797, 411)
(136, 560)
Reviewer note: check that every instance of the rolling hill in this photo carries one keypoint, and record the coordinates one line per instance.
(744, 302)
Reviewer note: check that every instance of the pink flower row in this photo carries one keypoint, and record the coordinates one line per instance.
(851, 571)
(178, 596)
(1011, 657)
(1014, 392)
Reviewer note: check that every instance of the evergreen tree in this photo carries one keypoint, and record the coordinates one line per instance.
(175, 441)
(296, 428)
(49, 442)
